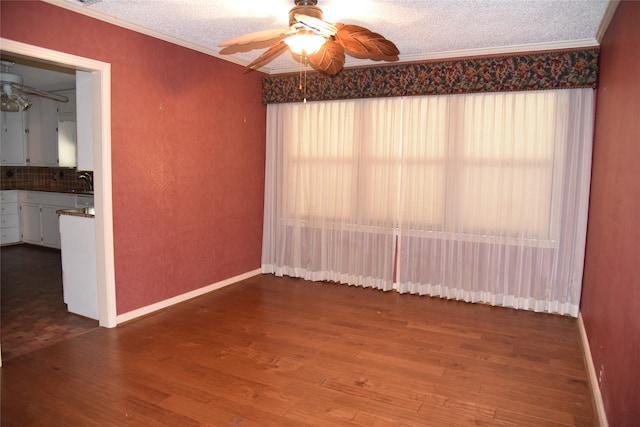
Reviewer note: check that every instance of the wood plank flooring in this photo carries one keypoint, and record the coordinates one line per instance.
(33, 312)
(274, 351)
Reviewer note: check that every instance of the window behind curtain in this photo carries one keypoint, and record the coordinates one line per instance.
(479, 197)
(404, 155)
(506, 157)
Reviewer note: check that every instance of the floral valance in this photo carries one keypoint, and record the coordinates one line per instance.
(535, 71)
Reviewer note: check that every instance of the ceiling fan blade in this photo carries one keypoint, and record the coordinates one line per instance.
(250, 46)
(269, 55)
(329, 59)
(256, 37)
(32, 91)
(363, 43)
(319, 26)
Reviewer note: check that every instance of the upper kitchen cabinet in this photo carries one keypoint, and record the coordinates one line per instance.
(13, 142)
(67, 130)
(67, 110)
(52, 133)
(49, 132)
(42, 123)
(84, 117)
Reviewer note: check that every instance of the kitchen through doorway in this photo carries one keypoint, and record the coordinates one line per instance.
(101, 120)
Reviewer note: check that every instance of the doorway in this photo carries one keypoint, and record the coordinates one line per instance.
(101, 121)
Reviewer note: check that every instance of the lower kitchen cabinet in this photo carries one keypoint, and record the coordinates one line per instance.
(50, 225)
(9, 217)
(40, 223)
(31, 229)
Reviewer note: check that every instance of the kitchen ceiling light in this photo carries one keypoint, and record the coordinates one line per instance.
(12, 100)
(14, 104)
(14, 95)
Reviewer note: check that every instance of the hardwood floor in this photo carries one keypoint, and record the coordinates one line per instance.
(33, 312)
(285, 352)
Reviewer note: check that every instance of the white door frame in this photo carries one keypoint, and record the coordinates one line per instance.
(101, 73)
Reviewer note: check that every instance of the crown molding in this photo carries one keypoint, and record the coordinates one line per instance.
(456, 54)
(77, 6)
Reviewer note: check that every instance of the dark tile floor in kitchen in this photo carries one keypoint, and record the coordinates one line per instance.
(33, 313)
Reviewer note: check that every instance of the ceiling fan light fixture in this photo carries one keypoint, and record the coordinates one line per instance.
(12, 100)
(305, 43)
(14, 103)
(314, 41)
(15, 95)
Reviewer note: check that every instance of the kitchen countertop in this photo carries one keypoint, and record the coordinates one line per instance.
(83, 212)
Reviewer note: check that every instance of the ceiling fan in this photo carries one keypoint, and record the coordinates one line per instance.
(14, 96)
(312, 40)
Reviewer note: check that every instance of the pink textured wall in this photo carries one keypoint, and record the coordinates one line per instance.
(611, 287)
(188, 133)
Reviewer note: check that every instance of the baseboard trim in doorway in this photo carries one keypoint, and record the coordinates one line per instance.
(592, 375)
(131, 315)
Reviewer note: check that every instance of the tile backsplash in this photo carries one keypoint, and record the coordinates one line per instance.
(41, 179)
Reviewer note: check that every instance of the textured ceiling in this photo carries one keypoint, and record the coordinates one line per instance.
(425, 29)
(428, 29)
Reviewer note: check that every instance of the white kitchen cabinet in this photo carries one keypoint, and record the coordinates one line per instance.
(43, 132)
(31, 229)
(13, 141)
(67, 108)
(67, 130)
(50, 225)
(40, 224)
(9, 217)
(67, 152)
(52, 131)
(84, 119)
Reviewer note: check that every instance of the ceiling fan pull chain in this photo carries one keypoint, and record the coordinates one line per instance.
(305, 79)
(302, 79)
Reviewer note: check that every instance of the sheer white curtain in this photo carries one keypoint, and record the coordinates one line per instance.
(507, 209)
(327, 202)
(480, 198)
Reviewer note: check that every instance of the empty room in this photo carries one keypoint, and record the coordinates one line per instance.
(312, 212)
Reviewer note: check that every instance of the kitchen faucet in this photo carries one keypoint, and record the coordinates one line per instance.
(87, 177)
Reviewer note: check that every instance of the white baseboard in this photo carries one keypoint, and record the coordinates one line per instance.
(593, 376)
(131, 315)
